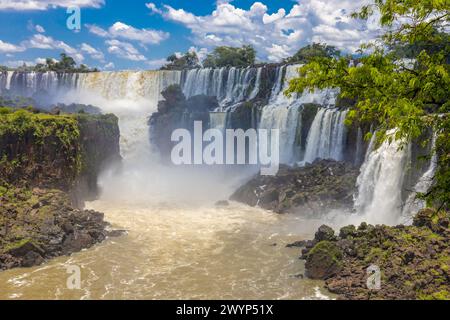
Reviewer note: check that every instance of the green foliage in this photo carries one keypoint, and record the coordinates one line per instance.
(187, 61)
(315, 50)
(409, 96)
(230, 57)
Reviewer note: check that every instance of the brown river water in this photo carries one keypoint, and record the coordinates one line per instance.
(234, 252)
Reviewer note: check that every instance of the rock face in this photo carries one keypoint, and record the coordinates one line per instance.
(52, 151)
(48, 166)
(42, 224)
(414, 261)
(313, 189)
(176, 112)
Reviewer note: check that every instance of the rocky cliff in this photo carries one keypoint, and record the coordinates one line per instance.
(48, 165)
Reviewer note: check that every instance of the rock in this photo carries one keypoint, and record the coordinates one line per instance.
(324, 260)
(31, 259)
(311, 190)
(296, 244)
(116, 233)
(348, 231)
(21, 249)
(413, 260)
(325, 233)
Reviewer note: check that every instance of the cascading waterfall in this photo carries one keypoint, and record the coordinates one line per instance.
(379, 197)
(283, 113)
(412, 204)
(327, 136)
(229, 85)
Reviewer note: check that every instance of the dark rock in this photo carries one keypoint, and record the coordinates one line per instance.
(296, 244)
(311, 190)
(324, 260)
(348, 231)
(325, 233)
(31, 259)
(116, 233)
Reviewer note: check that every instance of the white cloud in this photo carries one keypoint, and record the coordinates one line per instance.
(279, 34)
(127, 32)
(39, 28)
(22, 5)
(6, 47)
(109, 66)
(153, 8)
(91, 51)
(274, 17)
(124, 50)
(40, 41)
(155, 63)
(201, 52)
(19, 63)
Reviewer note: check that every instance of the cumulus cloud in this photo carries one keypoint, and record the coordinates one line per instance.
(40, 41)
(6, 47)
(19, 63)
(109, 66)
(155, 63)
(280, 34)
(124, 50)
(23, 5)
(92, 52)
(39, 28)
(127, 32)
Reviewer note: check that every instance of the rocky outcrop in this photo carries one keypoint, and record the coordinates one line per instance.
(48, 165)
(175, 112)
(64, 152)
(310, 190)
(40, 224)
(414, 261)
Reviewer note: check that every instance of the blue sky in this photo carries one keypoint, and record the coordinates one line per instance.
(117, 34)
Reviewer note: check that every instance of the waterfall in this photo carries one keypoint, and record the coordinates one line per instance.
(229, 85)
(283, 113)
(327, 135)
(380, 182)
(413, 205)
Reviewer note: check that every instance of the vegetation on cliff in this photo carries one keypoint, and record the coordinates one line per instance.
(414, 261)
(410, 96)
(48, 163)
(53, 150)
(230, 57)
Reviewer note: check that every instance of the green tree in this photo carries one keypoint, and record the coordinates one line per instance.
(187, 61)
(230, 57)
(307, 53)
(411, 96)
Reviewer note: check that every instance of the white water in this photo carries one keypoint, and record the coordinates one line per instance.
(412, 204)
(380, 183)
(326, 137)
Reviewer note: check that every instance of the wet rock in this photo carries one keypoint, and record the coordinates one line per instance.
(324, 233)
(116, 233)
(323, 260)
(413, 260)
(296, 244)
(310, 190)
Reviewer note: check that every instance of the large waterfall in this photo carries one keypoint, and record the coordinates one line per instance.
(228, 85)
(326, 136)
(380, 182)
